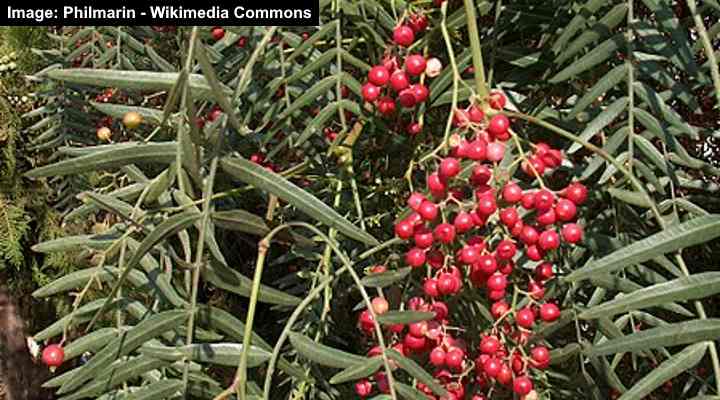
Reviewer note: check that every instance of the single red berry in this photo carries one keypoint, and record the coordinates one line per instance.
(565, 210)
(370, 92)
(415, 257)
(534, 252)
(449, 167)
(540, 355)
(477, 150)
(549, 240)
(415, 200)
(437, 357)
(445, 233)
(414, 128)
(481, 174)
(549, 312)
(512, 193)
(399, 80)
(499, 308)
(454, 358)
(415, 64)
(486, 205)
(407, 98)
(463, 222)
(544, 271)
(436, 185)
(430, 287)
(380, 305)
(363, 388)
(543, 200)
(536, 290)
(529, 235)
(487, 264)
(505, 375)
(475, 114)
(495, 151)
(489, 345)
(496, 295)
(53, 355)
(379, 75)
(447, 283)
(525, 318)
(404, 229)
(218, 33)
(545, 218)
(505, 250)
(576, 192)
(420, 92)
(522, 385)
(492, 367)
(418, 22)
(423, 237)
(497, 100)
(498, 126)
(386, 105)
(414, 342)
(572, 233)
(469, 255)
(428, 210)
(497, 281)
(403, 35)
(509, 216)
(528, 201)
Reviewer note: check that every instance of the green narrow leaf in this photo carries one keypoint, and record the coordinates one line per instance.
(669, 369)
(134, 80)
(241, 221)
(357, 371)
(630, 197)
(417, 372)
(95, 242)
(321, 354)
(385, 279)
(263, 179)
(578, 22)
(158, 390)
(127, 342)
(149, 115)
(619, 284)
(309, 42)
(409, 392)
(597, 55)
(90, 342)
(687, 288)
(602, 28)
(226, 354)
(669, 335)
(604, 118)
(309, 96)
(602, 86)
(228, 279)
(675, 237)
(404, 317)
(114, 157)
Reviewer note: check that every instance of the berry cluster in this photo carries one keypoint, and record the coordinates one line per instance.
(391, 82)
(471, 231)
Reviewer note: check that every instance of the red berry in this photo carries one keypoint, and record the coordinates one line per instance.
(536, 290)
(370, 92)
(379, 75)
(499, 308)
(481, 174)
(430, 287)
(418, 328)
(428, 210)
(415, 257)
(565, 210)
(576, 192)
(497, 281)
(505, 250)
(572, 233)
(415, 200)
(445, 233)
(477, 150)
(489, 345)
(487, 264)
(363, 388)
(436, 185)
(454, 358)
(543, 200)
(495, 151)
(549, 240)
(399, 80)
(529, 235)
(386, 105)
(549, 312)
(407, 98)
(522, 385)
(449, 167)
(512, 193)
(486, 205)
(528, 201)
(475, 114)
(404, 229)
(469, 255)
(414, 342)
(418, 22)
(420, 92)
(447, 283)
(415, 64)
(541, 355)
(509, 216)
(492, 367)
(53, 355)
(544, 271)
(499, 125)
(380, 305)
(534, 252)
(437, 357)
(505, 375)
(525, 318)
(403, 35)
(414, 128)
(423, 237)
(497, 100)
(545, 218)
(463, 222)
(218, 33)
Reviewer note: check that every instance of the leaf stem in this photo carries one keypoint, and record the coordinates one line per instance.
(480, 83)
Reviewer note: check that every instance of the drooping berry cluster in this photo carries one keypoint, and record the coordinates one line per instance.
(391, 82)
(478, 230)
